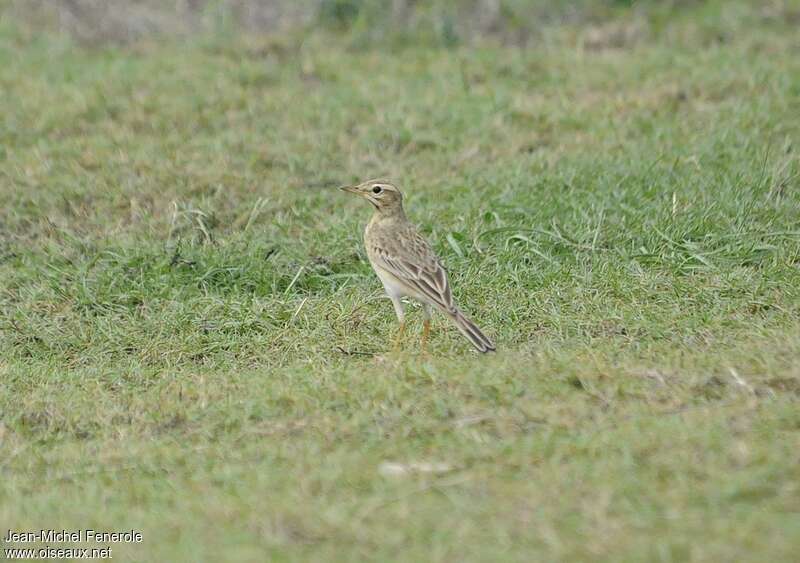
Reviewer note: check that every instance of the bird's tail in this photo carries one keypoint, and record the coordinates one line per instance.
(472, 332)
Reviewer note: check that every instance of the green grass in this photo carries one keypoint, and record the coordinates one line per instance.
(194, 346)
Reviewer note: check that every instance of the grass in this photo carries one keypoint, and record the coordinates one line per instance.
(194, 346)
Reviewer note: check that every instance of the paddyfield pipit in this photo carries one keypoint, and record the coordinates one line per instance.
(407, 265)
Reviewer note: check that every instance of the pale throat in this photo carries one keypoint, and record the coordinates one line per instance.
(393, 210)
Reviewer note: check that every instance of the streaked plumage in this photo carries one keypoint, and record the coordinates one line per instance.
(405, 262)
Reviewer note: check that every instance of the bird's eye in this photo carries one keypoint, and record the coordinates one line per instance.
(376, 189)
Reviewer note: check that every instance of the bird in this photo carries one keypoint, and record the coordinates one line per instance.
(407, 265)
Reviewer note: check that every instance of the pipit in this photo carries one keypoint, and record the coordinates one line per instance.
(407, 265)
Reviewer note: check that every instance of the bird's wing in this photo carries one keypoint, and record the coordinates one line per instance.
(411, 259)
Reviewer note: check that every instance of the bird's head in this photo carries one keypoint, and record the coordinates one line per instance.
(384, 195)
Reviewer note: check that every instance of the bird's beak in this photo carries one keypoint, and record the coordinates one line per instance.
(351, 189)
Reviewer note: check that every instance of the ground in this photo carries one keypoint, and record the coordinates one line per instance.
(194, 346)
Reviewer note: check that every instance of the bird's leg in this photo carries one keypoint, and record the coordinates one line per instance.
(401, 318)
(398, 340)
(426, 328)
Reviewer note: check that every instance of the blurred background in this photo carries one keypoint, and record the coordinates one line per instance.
(391, 23)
